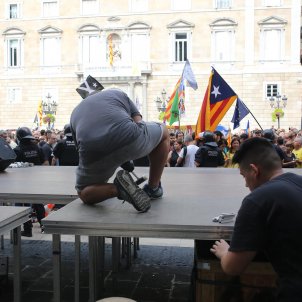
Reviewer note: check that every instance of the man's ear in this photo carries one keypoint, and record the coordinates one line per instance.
(255, 169)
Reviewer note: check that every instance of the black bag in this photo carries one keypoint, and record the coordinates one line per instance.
(7, 154)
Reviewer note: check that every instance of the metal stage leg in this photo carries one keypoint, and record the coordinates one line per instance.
(56, 254)
(17, 264)
(135, 246)
(77, 267)
(128, 251)
(101, 261)
(92, 241)
(116, 253)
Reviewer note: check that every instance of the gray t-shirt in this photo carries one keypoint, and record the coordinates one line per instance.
(106, 135)
(102, 122)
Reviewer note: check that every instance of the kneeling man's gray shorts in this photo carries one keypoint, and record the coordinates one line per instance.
(100, 170)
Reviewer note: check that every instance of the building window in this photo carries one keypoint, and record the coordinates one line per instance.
(180, 47)
(14, 52)
(49, 8)
(181, 4)
(89, 7)
(272, 2)
(14, 11)
(50, 46)
(223, 42)
(138, 5)
(271, 90)
(50, 51)
(219, 4)
(13, 95)
(272, 44)
(90, 45)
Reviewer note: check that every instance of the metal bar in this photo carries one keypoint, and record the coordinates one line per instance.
(56, 256)
(17, 264)
(92, 242)
(77, 266)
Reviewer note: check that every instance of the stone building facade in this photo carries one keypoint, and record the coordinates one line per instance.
(49, 46)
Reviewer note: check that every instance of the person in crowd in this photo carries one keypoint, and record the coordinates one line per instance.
(65, 152)
(223, 146)
(187, 154)
(218, 136)
(174, 154)
(243, 137)
(269, 219)
(109, 131)
(28, 151)
(172, 140)
(209, 154)
(48, 148)
(235, 143)
(179, 135)
(298, 150)
(257, 133)
(289, 160)
(270, 135)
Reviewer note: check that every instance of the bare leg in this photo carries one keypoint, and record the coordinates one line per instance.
(97, 193)
(158, 158)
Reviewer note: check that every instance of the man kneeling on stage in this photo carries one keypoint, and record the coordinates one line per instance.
(109, 131)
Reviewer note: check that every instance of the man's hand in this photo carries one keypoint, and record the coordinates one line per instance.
(220, 248)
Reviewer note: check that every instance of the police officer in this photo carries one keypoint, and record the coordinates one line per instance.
(209, 154)
(65, 152)
(28, 151)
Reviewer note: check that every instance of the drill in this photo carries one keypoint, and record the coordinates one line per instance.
(129, 167)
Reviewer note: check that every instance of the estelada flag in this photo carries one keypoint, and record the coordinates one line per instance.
(217, 100)
(89, 86)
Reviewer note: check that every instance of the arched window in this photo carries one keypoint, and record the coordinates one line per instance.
(223, 40)
(14, 53)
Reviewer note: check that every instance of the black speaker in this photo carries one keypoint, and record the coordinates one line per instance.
(7, 154)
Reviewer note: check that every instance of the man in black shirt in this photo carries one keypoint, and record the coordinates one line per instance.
(65, 152)
(269, 219)
(209, 154)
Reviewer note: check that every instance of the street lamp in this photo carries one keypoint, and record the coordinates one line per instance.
(49, 108)
(161, 102)
(275, 103)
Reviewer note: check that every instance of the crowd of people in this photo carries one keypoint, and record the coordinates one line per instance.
(213, 149)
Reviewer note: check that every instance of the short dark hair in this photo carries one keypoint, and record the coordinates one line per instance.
(260, 151)
(244, 136)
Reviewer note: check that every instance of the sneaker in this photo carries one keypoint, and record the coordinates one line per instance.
(154, 193)
(129, 191)
(42, 229)
(26, 233)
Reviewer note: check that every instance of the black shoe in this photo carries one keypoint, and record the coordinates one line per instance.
(42, 229)
(26, 233)
(129, 191)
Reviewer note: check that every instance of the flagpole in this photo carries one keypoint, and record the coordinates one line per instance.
(252, 115)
